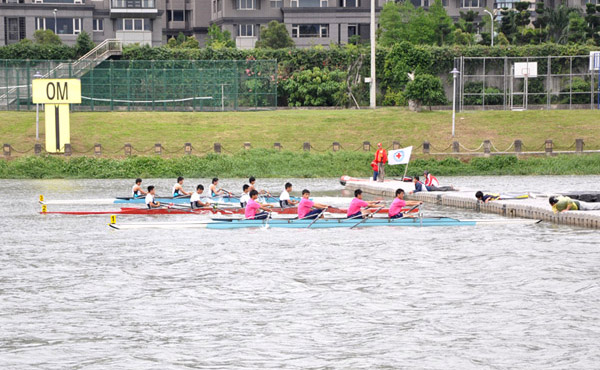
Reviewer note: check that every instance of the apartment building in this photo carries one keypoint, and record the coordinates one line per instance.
(152, 22)
(148, 22)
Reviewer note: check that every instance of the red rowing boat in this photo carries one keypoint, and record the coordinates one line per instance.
(198, 211)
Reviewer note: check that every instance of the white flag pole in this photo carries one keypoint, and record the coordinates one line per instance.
(405, 171)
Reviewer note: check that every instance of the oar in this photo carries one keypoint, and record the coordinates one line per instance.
(368, 216)
(410, 210)
(316, 218)
(267, 221)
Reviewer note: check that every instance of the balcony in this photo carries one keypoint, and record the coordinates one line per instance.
(133, 8)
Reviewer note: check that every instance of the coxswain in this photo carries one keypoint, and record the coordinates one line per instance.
(253, 208)
(150, 202)
(137, 190)
(380, 160)
(305, 207)
(245, 195)
(214, 192)
(354, 209)
(564, 204)
(485, 198)
(395, 210)
(196, 200)
(284, 198)
(178, 188)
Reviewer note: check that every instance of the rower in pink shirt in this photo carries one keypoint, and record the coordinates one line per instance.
(354, 210)
(399, 203)
(305, 207)
(253, 208)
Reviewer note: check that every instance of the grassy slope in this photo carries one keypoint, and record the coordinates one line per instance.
(319, 127)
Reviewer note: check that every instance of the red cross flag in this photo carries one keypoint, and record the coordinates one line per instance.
(400, 156)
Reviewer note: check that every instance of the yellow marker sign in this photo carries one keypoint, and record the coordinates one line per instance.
(44, 208)
(56, 91)
(41, 198)
(113, 219)
(57, 94)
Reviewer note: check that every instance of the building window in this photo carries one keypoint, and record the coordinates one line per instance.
(134, 24)
(175, 15)
(470, 3)
(276, 3)
(219, 5)
(422, 3)
(353, 30)
(245, 30)
(308, 3)
(51, 1)
(350, 3)
(245, 4)
(310, 30)
(64, 26)
(97, 25)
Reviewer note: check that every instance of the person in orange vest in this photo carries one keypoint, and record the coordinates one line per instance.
(380, 159)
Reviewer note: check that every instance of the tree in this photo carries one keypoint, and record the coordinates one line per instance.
(442, 23)
(46, 37)
(218, 39)
(190, 43)
(180, 38)
(426, 90)
(577, 28)
(274, 36)
(83, 44)
(558, 23)
(391, 27)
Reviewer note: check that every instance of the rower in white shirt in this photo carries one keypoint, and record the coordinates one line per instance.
(178, 188)
(245, 195)
(150, 202)
(197, 200)
(136, 190)
(284, 198)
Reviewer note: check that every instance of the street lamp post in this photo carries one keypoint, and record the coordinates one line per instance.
(37, 111)
(492, 18)
(455, 74)
(373, 90)
(55, 25)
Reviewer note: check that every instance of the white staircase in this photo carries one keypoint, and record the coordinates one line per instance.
(97, 55)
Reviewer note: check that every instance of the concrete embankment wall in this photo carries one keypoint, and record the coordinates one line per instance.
(538, 209)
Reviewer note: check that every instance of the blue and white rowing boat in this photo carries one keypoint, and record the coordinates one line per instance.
(221, 223)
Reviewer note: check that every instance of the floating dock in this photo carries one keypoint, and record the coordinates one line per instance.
(534, 208)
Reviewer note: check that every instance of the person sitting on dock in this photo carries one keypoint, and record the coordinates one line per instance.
(399, 203)
(196, 200)
(137, 190)
(214, 192)
(284, 197)
(354, 209)
(564, 204)
(178, 188)
(252, 181)
(485, 198)
(150, 202)
(245, 195)
(305, 207)
(419, 186)
(253, 208)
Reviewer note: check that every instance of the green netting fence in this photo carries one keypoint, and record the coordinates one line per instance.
(162, 85)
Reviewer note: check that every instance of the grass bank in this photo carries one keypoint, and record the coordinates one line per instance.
(270, 163)
(319, 127)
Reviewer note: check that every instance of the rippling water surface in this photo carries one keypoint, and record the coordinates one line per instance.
(76, 295)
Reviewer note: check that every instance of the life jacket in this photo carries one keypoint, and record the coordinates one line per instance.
(381, 155)
(431, 180)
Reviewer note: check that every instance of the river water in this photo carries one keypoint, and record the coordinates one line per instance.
(76, 295)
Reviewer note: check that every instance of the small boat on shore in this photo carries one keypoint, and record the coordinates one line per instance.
(221, 224)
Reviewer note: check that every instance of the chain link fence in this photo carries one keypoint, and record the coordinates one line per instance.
(157, 85)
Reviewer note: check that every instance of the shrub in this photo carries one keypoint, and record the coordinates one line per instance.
(426, 90)
(316, 87)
